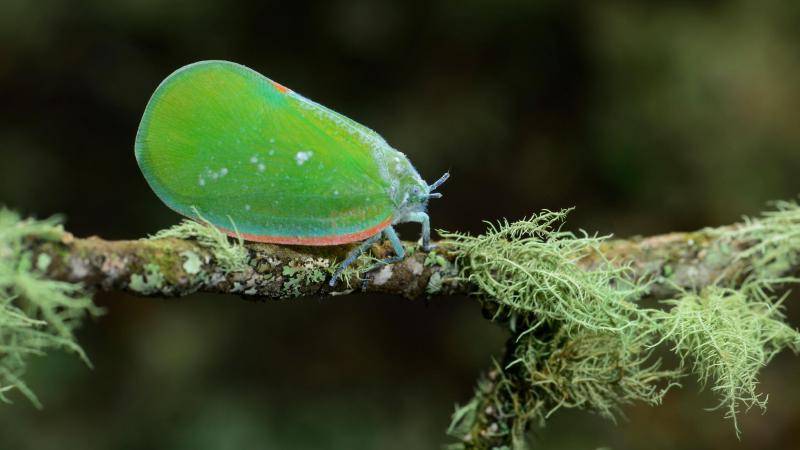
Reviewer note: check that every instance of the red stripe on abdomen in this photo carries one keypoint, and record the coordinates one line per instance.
(313, 240)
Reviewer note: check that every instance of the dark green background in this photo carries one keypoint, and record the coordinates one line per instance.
(647, 116)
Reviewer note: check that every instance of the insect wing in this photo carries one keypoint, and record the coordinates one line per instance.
(224, 140)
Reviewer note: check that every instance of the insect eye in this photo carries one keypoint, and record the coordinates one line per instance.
(415, 190)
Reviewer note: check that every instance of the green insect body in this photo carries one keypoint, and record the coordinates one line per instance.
(220, 141)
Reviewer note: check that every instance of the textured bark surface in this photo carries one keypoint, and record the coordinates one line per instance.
(176, 267)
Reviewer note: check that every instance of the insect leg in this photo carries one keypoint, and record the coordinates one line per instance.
(397, 246)
(423, 219)
(355, 253)
(399, 250)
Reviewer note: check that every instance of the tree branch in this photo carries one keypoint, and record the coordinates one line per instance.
(176, 267)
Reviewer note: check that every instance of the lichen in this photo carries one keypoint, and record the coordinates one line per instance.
(581, 338)
(151, 282)
(484, 422)
(229, 256)
(434, 258)
(730, 330)
(441, 269)
(726, 336)
(775, 238)
(36, 314)
(434, 284)
(529, 266)
(193, 264)
(43, 262)
(597, 371)
(307, 272)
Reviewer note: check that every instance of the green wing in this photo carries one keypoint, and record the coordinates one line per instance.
(220, 138)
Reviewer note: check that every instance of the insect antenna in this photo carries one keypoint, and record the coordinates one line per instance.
(438, 183)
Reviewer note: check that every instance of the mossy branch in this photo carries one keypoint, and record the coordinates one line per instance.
(177, 263)
(580, 338)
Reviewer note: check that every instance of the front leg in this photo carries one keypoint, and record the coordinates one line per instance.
(399, 253)
(397, 246)
(423, 219)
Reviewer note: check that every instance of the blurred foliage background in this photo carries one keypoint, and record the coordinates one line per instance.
(647, 116)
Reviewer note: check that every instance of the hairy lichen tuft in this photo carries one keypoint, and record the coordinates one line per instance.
(727, 336)
(597, 371)
(529, 267)
(774, 240)
(581, 339)
(36, 314)
(229, 256)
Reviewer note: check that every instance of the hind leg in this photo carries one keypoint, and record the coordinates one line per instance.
(355, 253)
(397, 246)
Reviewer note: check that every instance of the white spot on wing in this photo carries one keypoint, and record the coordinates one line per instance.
(262, 167)
(302, 157)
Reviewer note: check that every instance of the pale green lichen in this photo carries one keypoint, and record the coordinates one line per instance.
(43, 262)
(727, 336)
(730, 332)
(593, 370)
(310, 271)
(582, 340)
(529, 266)
(442, 269)
(434, 258)
(229, 256)
(775, 238)
(36, 314)
(434, 284)
(151, 282)
(192, 265)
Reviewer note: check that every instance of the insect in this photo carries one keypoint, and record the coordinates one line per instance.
(221, 142)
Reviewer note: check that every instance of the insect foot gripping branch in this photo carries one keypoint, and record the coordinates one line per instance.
(221, 142)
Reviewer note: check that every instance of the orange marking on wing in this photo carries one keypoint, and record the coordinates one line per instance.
(314, 240)
(283, 89)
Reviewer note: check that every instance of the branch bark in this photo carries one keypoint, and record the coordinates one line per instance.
(177, 267)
